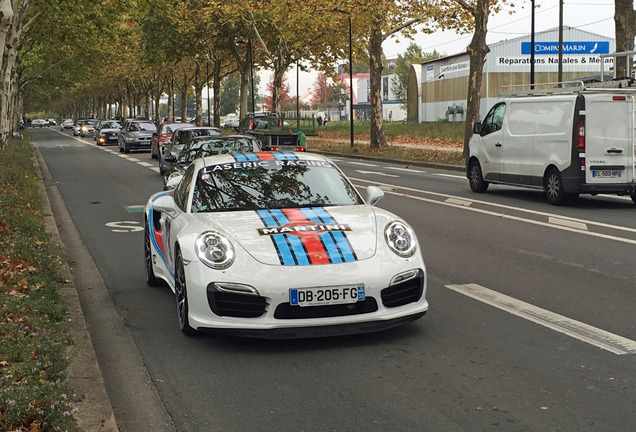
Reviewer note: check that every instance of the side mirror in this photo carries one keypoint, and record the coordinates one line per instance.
(173, 180)
(165, 204)
(374, 194)
(477, 128)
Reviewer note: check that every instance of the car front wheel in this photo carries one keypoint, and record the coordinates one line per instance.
(181, 294)
(151, 279)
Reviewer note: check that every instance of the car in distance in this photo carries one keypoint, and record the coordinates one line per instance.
(281, 245)
(39, 123)
(52, 122)
(67, 124)
(107, 132)
(180, 137)
(88, 128)
(202, 146)
(136, 135)
(163, 135)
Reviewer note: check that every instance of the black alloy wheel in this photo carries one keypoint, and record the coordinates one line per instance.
(476, 178)
(181, 293)
(151, 279)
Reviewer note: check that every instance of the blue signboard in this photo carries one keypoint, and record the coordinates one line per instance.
(595, 47)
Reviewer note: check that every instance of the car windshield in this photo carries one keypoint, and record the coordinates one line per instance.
(111, 125)
(209, 147)
(143, 127)
(271, 184)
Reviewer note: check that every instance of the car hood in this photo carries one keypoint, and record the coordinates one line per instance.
(110, 130)
(317, 235)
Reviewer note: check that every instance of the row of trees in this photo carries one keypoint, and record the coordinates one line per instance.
(78, 56)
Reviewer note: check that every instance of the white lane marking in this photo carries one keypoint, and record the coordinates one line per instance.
(491, 204)
(459, 202)
(576, 329)
(155, 169)
(377, 173)
(132, 159)
(568, 223)
(145, 164)
(406, 169)
(451, 176)
(363, 164)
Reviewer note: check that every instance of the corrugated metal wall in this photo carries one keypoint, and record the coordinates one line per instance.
(443, 83)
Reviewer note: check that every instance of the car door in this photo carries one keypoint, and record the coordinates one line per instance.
(491, 143)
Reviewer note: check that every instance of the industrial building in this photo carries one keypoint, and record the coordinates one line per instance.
(437, 90)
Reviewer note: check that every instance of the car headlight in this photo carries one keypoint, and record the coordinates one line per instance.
(214, 250)
(400, 239)
(130, 140)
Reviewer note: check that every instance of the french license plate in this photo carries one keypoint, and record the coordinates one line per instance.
(607, 173)
(326, 295)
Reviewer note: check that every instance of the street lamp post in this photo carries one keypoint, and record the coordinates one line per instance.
(350, 83)
(249, 48)
(350, 73)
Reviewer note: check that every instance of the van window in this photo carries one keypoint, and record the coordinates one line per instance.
(494, 119)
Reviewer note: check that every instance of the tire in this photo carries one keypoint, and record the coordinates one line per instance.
(476, 178)
(553, 187)
(633, 198)
(126, 148)
(181, 294)
(162, 169)
(151, 279)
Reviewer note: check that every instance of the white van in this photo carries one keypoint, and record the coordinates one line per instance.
(566, 141)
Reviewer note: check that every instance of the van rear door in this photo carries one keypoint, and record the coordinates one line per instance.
(609, 138)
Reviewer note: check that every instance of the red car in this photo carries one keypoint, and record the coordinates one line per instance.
(163, 135)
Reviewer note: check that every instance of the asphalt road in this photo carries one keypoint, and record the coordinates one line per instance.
(530, 326)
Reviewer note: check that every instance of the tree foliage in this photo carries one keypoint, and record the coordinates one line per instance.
(412, 55)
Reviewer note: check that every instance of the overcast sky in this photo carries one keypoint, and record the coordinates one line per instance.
(595, 16)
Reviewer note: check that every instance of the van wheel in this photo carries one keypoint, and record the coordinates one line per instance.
(633, 198)
(475, 178)
(553, 187)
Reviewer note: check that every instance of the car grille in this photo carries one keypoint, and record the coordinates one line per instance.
(236, 305)
(403, 293)
(287, 311)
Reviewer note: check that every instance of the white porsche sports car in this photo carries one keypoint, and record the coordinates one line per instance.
(281, 245)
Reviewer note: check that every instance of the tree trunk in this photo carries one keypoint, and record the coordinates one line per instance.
(184, 97)
(10, 33)
(477, 51)
(625, 28)
(216, 89)
(170, 99)
(375, 71)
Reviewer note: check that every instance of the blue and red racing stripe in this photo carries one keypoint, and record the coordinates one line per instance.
(307, 236)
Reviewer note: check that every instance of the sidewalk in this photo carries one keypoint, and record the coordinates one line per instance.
(459, 168)
(391, 143)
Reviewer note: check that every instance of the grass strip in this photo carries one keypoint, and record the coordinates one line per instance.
(35, 394)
